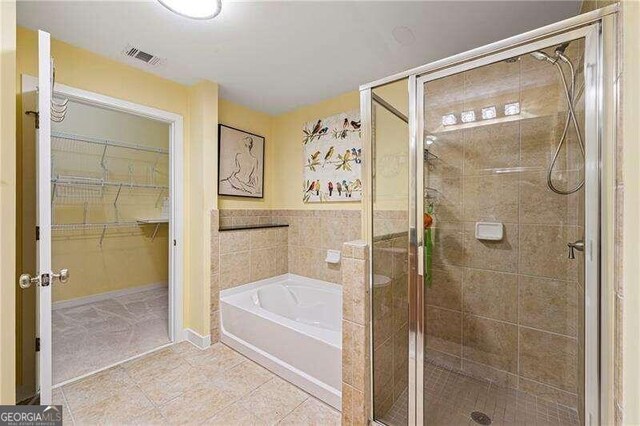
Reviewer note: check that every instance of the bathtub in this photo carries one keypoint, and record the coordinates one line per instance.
(291, 325)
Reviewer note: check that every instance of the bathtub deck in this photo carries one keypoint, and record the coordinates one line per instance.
(182, 384)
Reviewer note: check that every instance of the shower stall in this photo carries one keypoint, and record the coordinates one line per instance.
(487, 189)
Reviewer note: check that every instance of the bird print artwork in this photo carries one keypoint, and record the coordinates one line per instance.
(329, 154)
(315, 133)
(316, 128)
(344, 161)
(314, 160)
(347, 189)
(356, 155)
(342, 133)
(332, 158)
(314, 186)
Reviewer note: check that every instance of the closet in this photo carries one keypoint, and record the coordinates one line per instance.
(110, 215)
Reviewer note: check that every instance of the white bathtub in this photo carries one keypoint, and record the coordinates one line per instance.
(292, 325)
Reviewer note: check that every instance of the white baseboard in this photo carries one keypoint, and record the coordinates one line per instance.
(106, 295)
(202, 342)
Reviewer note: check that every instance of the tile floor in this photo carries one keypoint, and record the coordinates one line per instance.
(89, 337)
(451, 396)
(182, 384)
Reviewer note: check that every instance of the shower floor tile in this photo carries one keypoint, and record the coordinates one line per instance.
(450, 397)
(95, 335)
(180, 385)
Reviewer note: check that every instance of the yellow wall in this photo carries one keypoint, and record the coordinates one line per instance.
(288, 156)
(7, 200)
(128, 257)
(283, 156)
(201, 175)
(391, 142)
(259, 123)
(86, 70)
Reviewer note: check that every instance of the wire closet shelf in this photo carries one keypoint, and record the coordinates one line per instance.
(86, 190)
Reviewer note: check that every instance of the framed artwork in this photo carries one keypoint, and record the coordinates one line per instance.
(332, 159)
(240, 163)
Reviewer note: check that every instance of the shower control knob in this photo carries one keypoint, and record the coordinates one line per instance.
(578, 245)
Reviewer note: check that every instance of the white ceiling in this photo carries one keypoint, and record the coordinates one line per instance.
(276, 56)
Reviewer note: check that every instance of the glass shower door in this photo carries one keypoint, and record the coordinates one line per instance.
(504, 220)
(390, 333)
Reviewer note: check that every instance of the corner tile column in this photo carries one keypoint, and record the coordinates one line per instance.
(355, 333)
(214, 305)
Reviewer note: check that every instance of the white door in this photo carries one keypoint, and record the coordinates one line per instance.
(44, 278)
(43, 212)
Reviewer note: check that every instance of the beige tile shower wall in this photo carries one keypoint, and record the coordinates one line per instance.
(390, 319)
(507, 311)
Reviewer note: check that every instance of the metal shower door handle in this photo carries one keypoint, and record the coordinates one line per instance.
(578, 245)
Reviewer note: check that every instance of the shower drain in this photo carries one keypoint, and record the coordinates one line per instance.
(480, 418)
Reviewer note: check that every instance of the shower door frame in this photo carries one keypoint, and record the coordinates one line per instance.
(600, 29)
(593, 77)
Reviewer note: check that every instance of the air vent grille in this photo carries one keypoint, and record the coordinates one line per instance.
(135, 53)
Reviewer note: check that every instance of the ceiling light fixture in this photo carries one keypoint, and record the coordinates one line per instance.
(468, 116)
(194, 9)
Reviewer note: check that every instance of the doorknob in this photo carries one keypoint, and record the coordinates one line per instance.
(578, 245)
(63, 276)
(26, 280)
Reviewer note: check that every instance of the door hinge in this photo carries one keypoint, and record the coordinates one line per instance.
(37, 115)
(174, 243)
(37, 344)
(37, 233)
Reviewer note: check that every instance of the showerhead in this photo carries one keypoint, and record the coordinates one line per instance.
(561, 48)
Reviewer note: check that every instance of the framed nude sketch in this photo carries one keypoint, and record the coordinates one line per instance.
(240, 163)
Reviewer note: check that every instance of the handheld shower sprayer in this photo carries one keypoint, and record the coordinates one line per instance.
(570, 95)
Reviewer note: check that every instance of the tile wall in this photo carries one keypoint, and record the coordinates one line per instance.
(355, 333)
(390, 319)
(244, 256)
(510, 310)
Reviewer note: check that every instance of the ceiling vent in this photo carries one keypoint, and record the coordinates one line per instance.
(140, 55)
